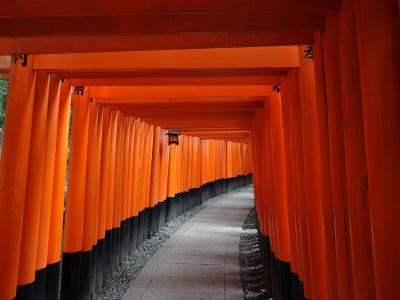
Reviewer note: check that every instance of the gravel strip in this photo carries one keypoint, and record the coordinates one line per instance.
(251, 260)
(118, 283)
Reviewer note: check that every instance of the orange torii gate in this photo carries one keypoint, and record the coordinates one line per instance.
(100, 210)
(110, 190)
(325, 148)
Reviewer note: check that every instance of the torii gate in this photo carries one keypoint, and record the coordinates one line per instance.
(325, 149)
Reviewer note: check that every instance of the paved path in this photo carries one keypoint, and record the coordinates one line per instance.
(201, 260)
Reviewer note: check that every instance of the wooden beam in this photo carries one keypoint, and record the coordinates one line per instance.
(139, 24)
(194, 119)
(12, 8)
(179, 114)
(262, 57)
(172, 73)
(198, 105)
(231, 131)
(242, 76)
(128, 94)
(236, 140)
(216, 134)
(169, 101)
(223, 137)
(196, 122)
(165, 81)
(108, 43)
(187, 130)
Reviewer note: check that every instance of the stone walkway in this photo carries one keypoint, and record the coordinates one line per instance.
(201, 260)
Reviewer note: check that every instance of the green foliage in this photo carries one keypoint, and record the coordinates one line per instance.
(3, 99)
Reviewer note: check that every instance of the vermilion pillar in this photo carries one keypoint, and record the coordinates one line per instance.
(141, 179)
(295, 180)
(164, 162)
(278, 152)
(313, 180)
(135, 174)
(90, 201)
(332, 86)
(130, 214)
(125, 187)
(154, 182)
(13, 172)
(103, 198)
(96, 241)
(171, 171)
(361, 260)
(47, 186)
(57, 205)
(148, 178)
(117, 192)
(99, 151)
(74, 218)
(328, 128)
(110, 198)
(378, 30)
(33, 197)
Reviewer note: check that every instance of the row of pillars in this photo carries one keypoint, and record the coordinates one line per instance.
(32, 176)
(327, 163)
(124, 182)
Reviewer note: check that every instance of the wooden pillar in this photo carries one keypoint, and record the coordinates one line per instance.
(154, 182)
(125, 188)
(96, 243)
(355, 206)
(313, 179)
(103, 163)
(117, 192)
(149, 169)
(378, 29)
(278, 152)
(109, 235)
(130, 166)
(33, 196)
(141, 180)
(47, 186)
(73, 230)
(327, 90)
(89, 205)
(105, 169)
(58, 194)
(269, 180)
(14, 170)
(138, 133)
(330, 44)
(171, 171)
(301, 189)
(165, 162)
(295, 182)
(104, 166)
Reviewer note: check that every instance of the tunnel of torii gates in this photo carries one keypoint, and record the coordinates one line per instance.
(299, 97)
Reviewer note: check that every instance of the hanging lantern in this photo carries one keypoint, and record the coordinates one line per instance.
(173, 137)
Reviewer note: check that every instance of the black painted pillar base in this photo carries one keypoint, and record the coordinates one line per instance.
(132, 236)
(281, 282)
(86, 264)
(86, 273)
(100, 263)
(71, 276)
(40, 284)
(53, 281)
(25, 292)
